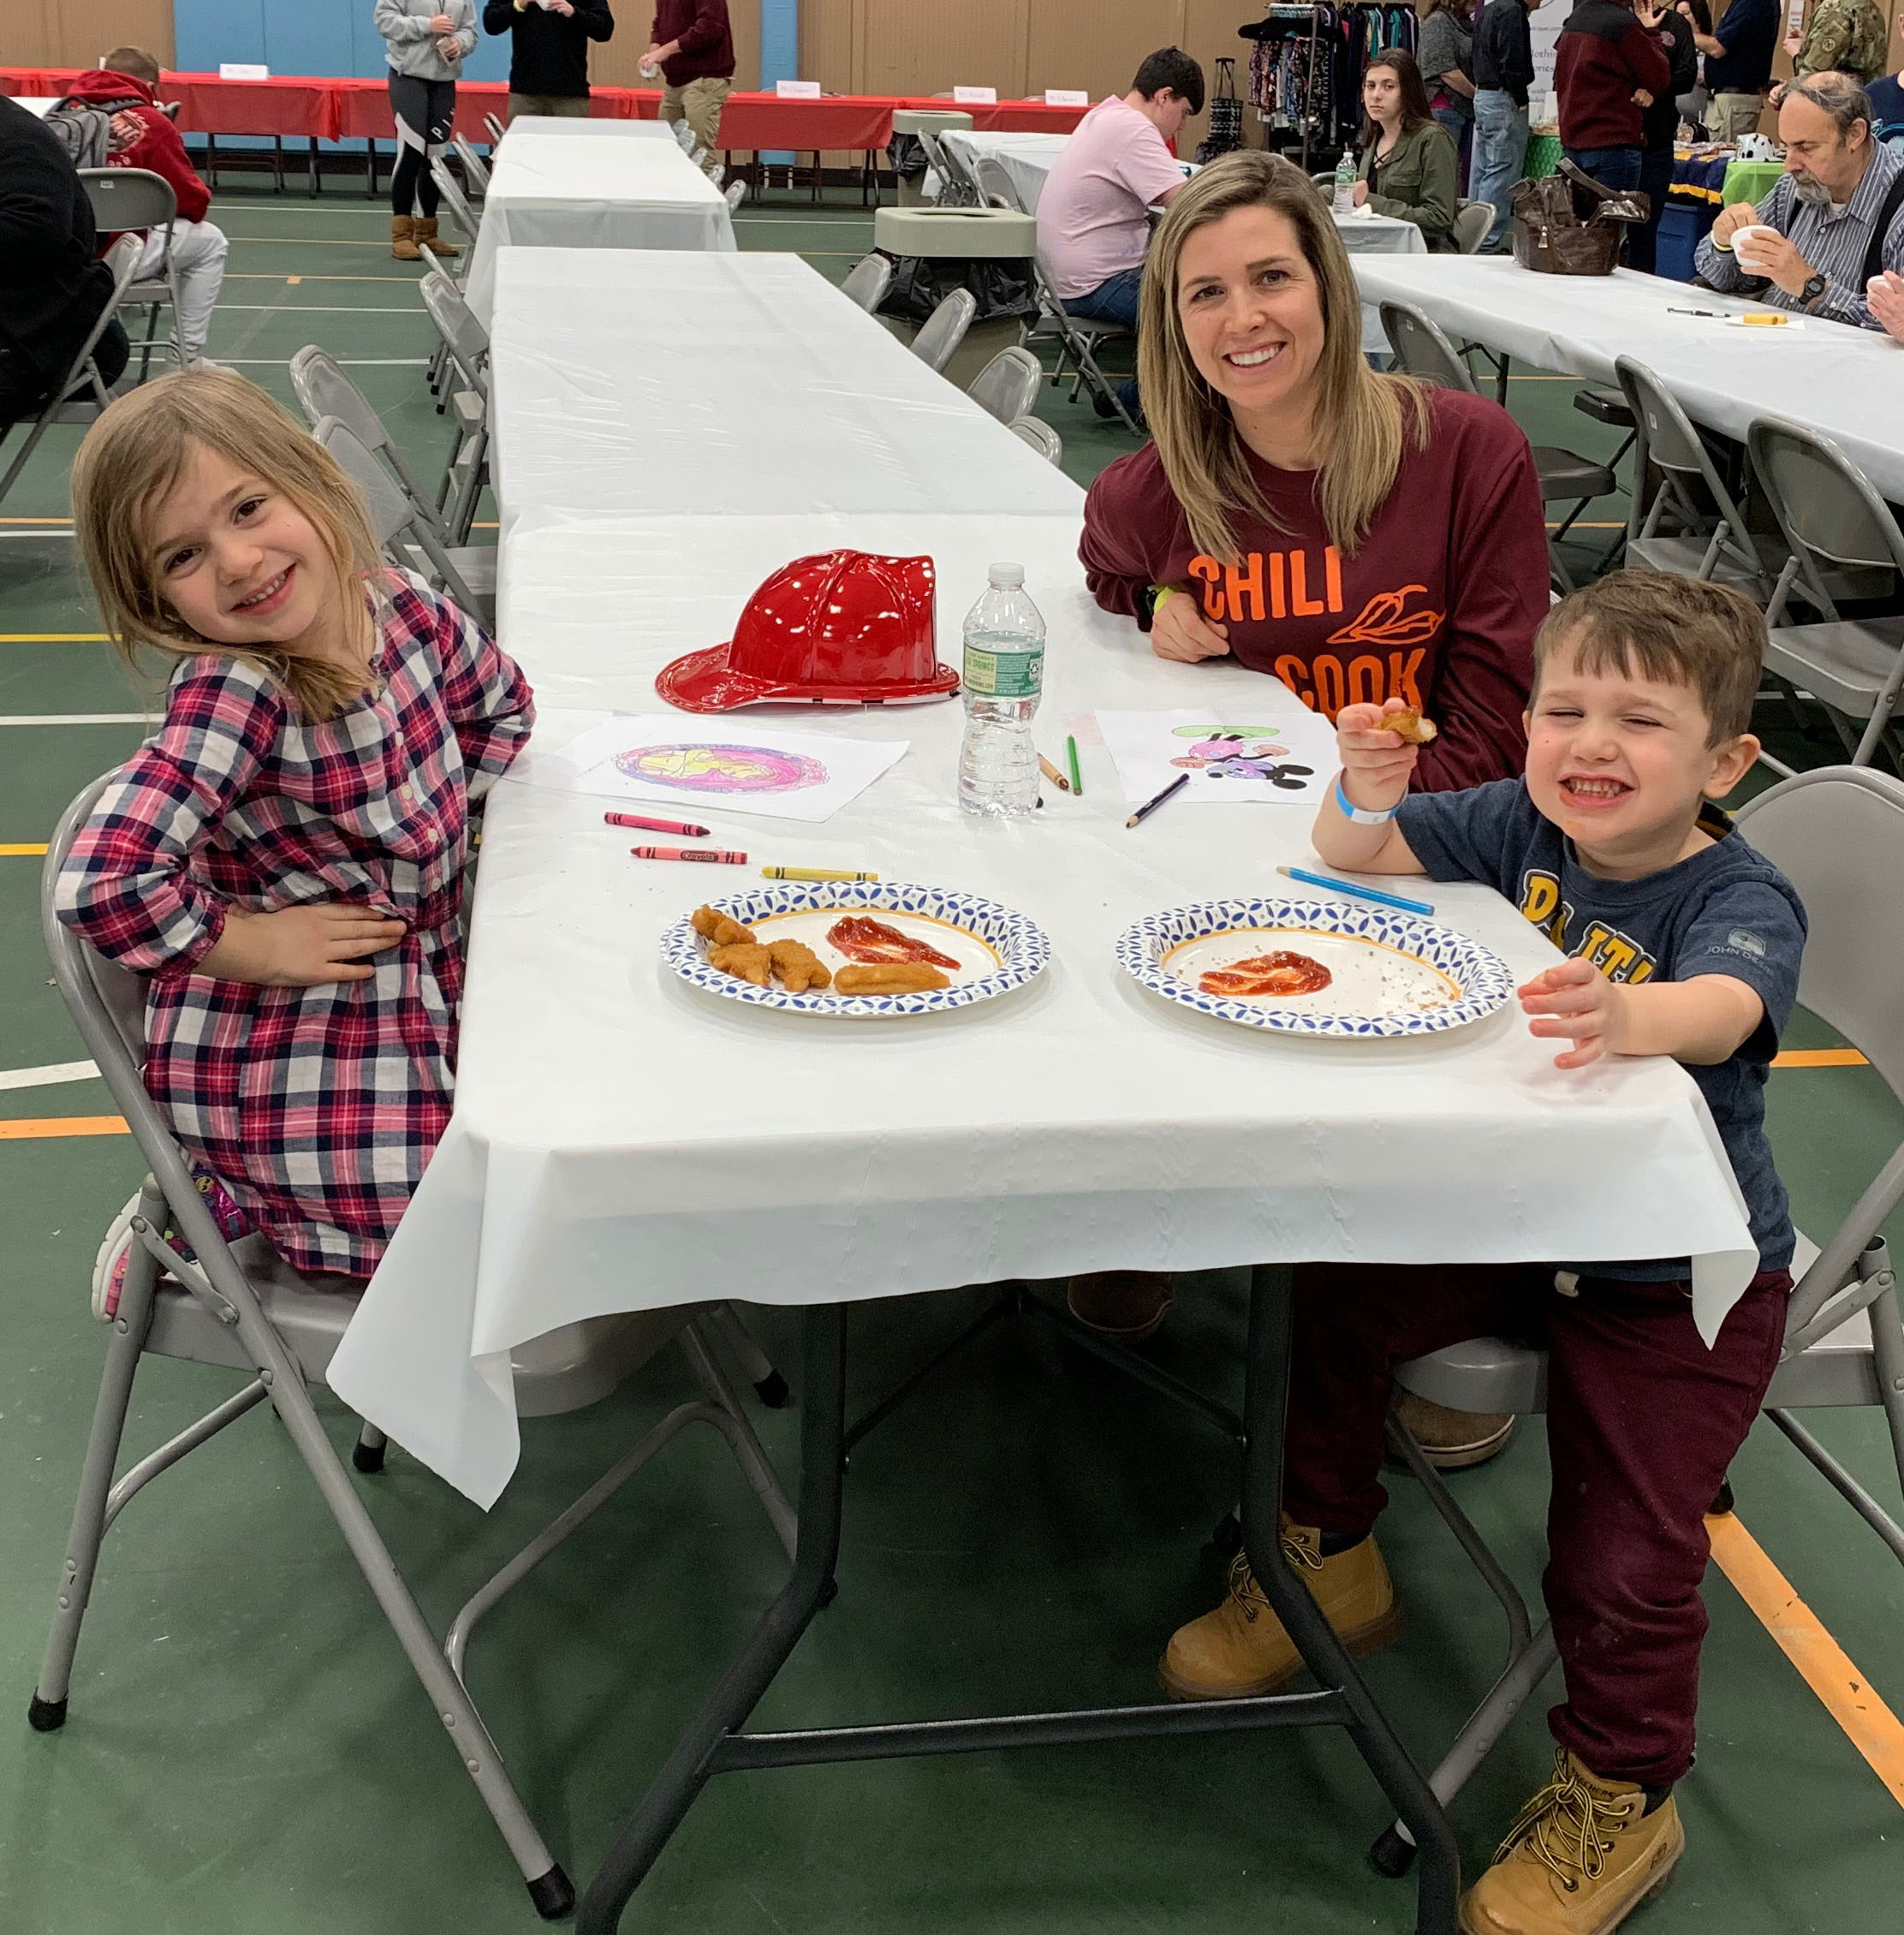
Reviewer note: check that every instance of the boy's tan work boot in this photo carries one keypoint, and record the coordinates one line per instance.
(403, 239)
(1241, 1649)
(1583, 1855)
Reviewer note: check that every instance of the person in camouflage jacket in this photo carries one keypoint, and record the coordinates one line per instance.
(1848, 36)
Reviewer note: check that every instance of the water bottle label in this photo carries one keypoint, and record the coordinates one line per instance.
(1003, 674)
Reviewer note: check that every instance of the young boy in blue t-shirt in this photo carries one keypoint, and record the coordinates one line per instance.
(1682, 941)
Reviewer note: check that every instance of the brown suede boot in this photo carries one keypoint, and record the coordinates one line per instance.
(1126, 1305)
(428, 239)
(1582, 1856)
(403, 239)
(1452, 1441)
(1241, 1649)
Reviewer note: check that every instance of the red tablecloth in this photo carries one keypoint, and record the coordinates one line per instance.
(356, 108)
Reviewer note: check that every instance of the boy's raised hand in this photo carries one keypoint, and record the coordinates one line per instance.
(301, 947)
(1376, 763)
(1574, 1001)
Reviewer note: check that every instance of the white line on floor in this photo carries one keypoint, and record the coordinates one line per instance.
(77, 718)
(348, 363)
(46, 1077)
(319, 309)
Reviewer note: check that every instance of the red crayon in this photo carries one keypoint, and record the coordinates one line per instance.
(684, 826)
(720, 856)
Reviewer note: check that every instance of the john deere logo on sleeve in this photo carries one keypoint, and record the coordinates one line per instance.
(1003, 674)
(1747, 943)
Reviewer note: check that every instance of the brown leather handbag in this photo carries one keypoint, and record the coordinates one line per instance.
(1567, 224)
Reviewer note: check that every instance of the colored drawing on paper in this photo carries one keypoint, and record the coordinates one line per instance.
(721, 768)
(1232, 753)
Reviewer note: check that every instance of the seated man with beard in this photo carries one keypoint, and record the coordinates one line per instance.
(1837, 213)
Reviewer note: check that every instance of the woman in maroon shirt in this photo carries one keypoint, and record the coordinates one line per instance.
(1356, 535)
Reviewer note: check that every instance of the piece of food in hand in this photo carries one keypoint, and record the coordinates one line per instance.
(1283, 973)
(719, 930)
(798, 967)
(898, 977)
(1409, 723)
(748, 960)
(859, 937)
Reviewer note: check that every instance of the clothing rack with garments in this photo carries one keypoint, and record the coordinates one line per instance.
(1305, 69)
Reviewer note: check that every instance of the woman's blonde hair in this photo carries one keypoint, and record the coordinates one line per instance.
(1361, 417)
(136, 452)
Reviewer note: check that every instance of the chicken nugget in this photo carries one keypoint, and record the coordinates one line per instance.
(899, 977)
(719, 930)
(748, 960)
(798, 967)
(1410, 726)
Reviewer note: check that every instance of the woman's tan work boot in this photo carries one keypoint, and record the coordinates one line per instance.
(427, 238)
(403, 239)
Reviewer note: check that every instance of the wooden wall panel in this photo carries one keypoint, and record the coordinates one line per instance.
(927, 46)
(614, 65)
(829, 43)
(75, 33)
(1063, 53)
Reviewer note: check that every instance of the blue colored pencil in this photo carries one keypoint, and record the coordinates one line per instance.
(1359, 892)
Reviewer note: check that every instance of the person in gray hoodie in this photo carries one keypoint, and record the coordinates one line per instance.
(426, 41)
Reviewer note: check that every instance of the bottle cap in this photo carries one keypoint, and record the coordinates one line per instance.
(1010, 576)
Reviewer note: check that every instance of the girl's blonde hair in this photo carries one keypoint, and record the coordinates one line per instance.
(1361, 417)
(137, 451)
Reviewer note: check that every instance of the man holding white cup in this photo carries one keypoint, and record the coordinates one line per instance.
(1834, 219)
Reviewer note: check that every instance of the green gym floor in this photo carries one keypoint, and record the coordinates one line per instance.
(247, 1750)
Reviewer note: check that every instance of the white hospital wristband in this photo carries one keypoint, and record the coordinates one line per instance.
(1355, 813)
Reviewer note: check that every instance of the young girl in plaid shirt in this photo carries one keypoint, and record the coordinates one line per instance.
(283, 859)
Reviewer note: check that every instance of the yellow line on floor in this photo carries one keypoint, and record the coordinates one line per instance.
(53, 638)
(1823, 1664)
(45, 1127)
(35, 520)
(18, 852)
(1820, 1058)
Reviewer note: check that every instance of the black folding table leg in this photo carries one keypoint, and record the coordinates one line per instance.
(674, 1789)
(1265, 1405)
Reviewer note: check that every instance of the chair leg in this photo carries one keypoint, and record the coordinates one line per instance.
(367, 1454)
(756, 1367)
(126, 1343)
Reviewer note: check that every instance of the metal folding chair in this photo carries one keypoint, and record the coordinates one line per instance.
(1831, 833)
(453, 198)
(1078, 339)
(996, 187)
(241, 1307)
(134, 199)
(82, 393)
(1040, 436)
(465, 343)
(1473, 220)
(1008, 385)
(493, 128)
(957, 189)
(1845, 543)
(943, 330)
(475, 169)
(1422, 350)
(867, 281)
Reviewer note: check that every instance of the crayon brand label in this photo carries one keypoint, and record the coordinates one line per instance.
(1005, 675)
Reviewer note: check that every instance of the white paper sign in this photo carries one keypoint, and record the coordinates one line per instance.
(1066, 98)
(797, 90)
(975, 97)
(1280, 754)
(243, 70)
(713, 765)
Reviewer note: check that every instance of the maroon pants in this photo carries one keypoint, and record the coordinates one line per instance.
(1642, 1422)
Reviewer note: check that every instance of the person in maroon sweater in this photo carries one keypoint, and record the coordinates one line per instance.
(694, 47)
(124, 85)
(1610, 67)
(1355, 535)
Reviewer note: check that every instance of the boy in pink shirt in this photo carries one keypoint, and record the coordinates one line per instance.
(1092, 227)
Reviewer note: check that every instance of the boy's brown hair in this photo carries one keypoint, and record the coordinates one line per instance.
(134, 61)
(1651, 624)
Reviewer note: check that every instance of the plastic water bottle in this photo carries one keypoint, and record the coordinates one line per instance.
(1345, 183)
(1004, 673)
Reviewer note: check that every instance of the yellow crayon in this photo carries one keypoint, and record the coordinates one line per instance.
(810, 873)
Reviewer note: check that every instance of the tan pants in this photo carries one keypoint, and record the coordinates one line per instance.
(1731, 116)
(698, 103)
(569, 107)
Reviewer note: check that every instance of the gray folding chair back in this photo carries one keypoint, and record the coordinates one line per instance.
(1844, 543)
(453, 198)
(684, 136)
(943, 330)
(136, 199)
(1078, 338)
(997, 189)
(1008, 385)
(1473, 220)
(1040, 436)
(475, 169)
(466, 339)
(81, 393)
(1715, 544)
(322, 390)
(1422, 348)
(494, 129)
(867, 281)
(239, 1306)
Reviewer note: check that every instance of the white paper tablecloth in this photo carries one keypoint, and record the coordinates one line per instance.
(555, 191)
(563, 126)
(40, 104)
(1847, 383)
(680, 382)
(620, 1141)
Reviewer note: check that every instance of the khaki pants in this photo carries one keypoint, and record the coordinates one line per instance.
(569, 107)
(698, 103)
(1731, 116)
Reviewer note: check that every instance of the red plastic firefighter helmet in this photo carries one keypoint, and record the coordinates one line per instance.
(841, 627)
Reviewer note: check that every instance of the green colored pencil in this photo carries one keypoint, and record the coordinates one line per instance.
(1071, 754)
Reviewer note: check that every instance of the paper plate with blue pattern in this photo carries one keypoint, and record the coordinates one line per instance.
(1389, 974)
(994, 949)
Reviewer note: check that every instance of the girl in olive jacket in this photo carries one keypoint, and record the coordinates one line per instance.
(1409, 168)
